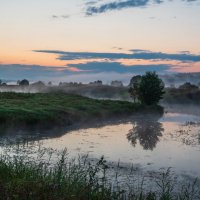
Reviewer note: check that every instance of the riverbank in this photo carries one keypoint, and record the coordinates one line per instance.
(59, 109)
(171, 96)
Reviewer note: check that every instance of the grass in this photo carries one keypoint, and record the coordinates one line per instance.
(58, 109)
(22, 179)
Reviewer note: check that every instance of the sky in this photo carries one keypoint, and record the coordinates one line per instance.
(87, 40)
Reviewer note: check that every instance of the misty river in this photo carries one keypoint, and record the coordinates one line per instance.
(147, 142)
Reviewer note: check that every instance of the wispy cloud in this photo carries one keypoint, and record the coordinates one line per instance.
(60, 16)
(137, 61)
(89, 3)
(93, 9)
(134, 54)
(32, 72)
(91, 70)
(99, 67)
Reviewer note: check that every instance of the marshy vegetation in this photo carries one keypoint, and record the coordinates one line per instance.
(23, 177)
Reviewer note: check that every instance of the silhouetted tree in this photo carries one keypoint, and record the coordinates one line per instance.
(116, 83)
(49, 83)
(39, 84)
(96, 83)
(134, 87)
(188, 86)
(151, 89)
(24, 82)
(135, 80)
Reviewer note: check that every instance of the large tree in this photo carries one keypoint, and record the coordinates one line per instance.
(134, 87)
(151, 89)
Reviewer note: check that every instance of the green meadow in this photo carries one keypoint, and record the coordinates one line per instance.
(47, 109)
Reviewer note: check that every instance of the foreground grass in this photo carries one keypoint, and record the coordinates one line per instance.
(22, 179)
(58, 108)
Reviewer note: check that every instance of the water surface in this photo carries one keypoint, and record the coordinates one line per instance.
(149, 142)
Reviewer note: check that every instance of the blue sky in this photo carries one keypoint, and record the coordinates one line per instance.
(97, 39)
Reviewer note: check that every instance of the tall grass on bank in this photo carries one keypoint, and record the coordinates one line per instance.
(80, 179)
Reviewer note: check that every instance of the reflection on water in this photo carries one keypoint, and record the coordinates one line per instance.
(149, 142)
(147, 131)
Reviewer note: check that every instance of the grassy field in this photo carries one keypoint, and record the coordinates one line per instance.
(58, 109)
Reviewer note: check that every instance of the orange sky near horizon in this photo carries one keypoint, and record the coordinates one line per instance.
(50, 60)
(168, 27)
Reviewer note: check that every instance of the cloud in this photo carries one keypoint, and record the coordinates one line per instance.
(32, 72)
(119, 68)
(86, 72)
(54, 16)
(118, 48)
(89, 3)
(60, 16)
(65, 16)
(136, 62)
(134, 54)
(81, 72)
(118, 5)
(115, 6)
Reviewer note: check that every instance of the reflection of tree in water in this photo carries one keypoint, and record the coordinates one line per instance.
(147, 131)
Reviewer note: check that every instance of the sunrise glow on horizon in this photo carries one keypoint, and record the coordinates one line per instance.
(40, 37)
